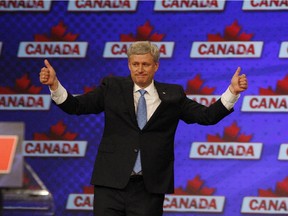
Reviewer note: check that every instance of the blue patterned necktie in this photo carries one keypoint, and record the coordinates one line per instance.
(141, 119)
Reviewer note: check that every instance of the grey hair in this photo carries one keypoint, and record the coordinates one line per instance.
(144, 47)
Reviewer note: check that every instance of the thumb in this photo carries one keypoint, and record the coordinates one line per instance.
(237, 72)
(47, 64)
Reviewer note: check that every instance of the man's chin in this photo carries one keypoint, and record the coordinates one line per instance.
(141, 83)
(139, 80)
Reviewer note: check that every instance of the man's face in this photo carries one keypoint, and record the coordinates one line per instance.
(142, 69)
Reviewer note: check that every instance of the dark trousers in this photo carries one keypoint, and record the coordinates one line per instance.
(133, 200)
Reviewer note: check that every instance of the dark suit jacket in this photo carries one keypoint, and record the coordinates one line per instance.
(122, 138)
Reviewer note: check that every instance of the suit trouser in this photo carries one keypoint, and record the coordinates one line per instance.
(133, 200)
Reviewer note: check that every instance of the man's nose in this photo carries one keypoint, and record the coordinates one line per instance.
(141, 68)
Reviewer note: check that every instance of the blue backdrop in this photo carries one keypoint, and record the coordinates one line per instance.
(232, 178)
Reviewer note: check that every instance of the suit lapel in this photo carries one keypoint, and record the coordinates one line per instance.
(129, 98)
(162, 91)
(164, 96)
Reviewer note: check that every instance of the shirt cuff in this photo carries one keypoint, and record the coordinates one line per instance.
(59, 95)
(228, 99)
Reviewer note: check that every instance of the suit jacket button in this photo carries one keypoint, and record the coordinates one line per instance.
(135, 150)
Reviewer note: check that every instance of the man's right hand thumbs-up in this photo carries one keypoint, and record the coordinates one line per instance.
(47, 76)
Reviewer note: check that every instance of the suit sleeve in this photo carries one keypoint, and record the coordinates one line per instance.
(194, 112)
(88, 103)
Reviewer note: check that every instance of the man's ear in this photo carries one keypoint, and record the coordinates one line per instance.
(129, 65)
(157, 66)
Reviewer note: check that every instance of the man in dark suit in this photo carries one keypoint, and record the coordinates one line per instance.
(120, 189)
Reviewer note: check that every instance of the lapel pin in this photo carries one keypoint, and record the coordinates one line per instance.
(163, 92)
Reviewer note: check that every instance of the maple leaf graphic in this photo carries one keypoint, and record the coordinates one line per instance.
(22, 86)
(281, 88)
(88, 189)
(57, 132)
(58, 33)
(280, 191)
(231, 33)
(231, 134)
(195, 187)
(89, 89)
(195, 86)
(144, 33)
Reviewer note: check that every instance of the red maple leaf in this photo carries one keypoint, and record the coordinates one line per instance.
(214, 138)
(180, 191)
(281, 88)
(266, 193)
(41, 38)
(6, 90)
(231, 134)
(58, 33)
(88, 89)
(195, 86)
(88, 189)
(57, 132)
(127, 37)
(156, 37)
(215, 37)
(144, 32)
(195, 187)
(205, 191)
(69, 136)
(41, 136)
(268, 91)
(281, 190)
(231, 33)
(23, 82)
(58, 129)
(22, 86)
